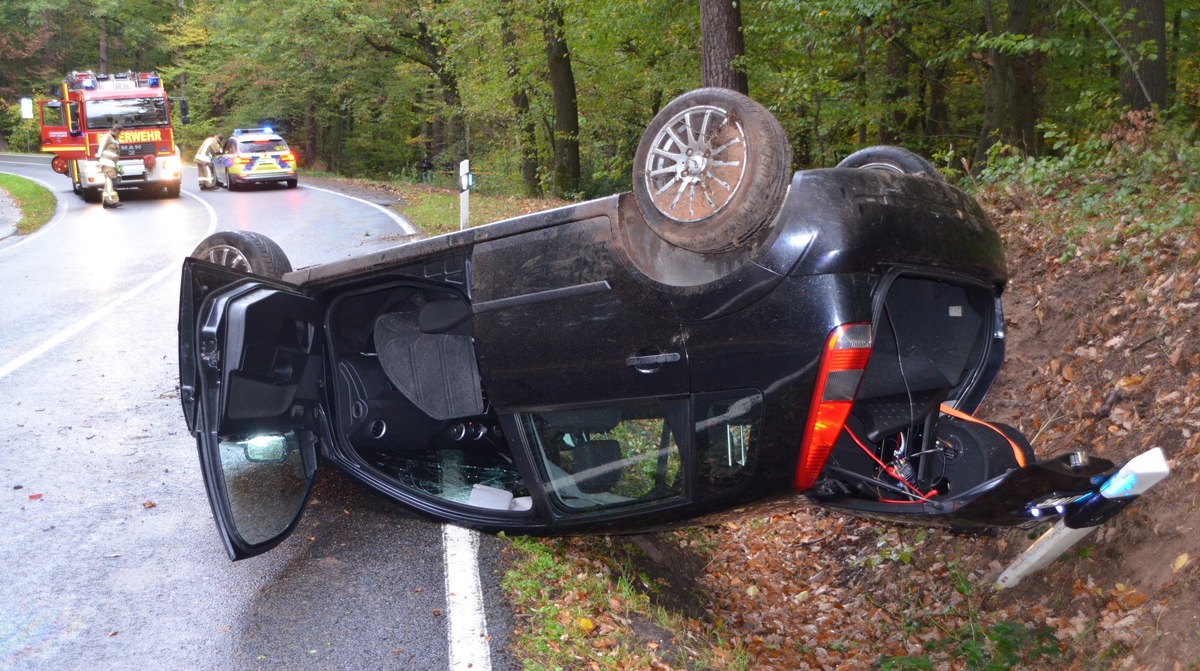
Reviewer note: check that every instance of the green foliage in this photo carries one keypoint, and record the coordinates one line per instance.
(37, 205)
(1137, 183)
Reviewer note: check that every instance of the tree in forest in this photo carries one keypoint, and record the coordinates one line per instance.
(1144, 82)
(721, 44)
(566, 105)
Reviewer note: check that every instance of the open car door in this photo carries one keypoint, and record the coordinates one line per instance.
(250, 381)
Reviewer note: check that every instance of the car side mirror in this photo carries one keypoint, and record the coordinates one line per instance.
(183, 110)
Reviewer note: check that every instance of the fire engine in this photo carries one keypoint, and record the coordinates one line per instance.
(88, 106)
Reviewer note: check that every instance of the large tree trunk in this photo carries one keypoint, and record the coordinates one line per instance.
(895, 85)
(566, 107)
(1010, 92)
(1025, 71)
(1145, 84)
(520, 98)
(103, 64)
(720, 43)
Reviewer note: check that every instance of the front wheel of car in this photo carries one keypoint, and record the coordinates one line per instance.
(892, 159)
(711, 171)
(246, 251)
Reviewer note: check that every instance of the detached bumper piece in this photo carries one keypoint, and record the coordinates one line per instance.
(1085, 515)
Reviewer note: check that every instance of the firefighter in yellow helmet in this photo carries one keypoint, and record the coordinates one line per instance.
(109, 150)
(204, 156)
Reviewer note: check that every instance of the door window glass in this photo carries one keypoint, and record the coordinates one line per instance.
(727, 429)
(477, 476)
(608, 456)
(265, 483)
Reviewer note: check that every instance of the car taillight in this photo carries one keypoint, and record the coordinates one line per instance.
(842, 362)
(241, 160)
(289, 157)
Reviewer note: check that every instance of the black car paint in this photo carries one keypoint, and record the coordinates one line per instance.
(584, 303)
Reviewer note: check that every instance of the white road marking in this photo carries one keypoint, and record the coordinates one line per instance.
(466, 622)
(403, 223)
(65, 334)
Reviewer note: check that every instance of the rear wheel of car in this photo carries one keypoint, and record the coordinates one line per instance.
(246, 251)
(892, 159)
(291, 183)
(229, 182)
(711, 171)
(173, 190)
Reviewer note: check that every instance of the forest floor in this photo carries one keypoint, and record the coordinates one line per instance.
(1102, 357)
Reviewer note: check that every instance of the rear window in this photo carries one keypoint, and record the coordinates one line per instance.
(270, 144)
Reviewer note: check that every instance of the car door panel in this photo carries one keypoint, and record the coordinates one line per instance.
(256, 359)
(555, 322)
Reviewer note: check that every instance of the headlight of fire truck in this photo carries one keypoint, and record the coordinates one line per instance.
(169, 166)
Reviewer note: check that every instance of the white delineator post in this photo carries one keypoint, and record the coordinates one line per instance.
(1140, 474)
(465, 181)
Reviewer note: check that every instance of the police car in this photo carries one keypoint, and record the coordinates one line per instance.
(255, 156)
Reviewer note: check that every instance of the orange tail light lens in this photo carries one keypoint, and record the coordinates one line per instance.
(843, 360)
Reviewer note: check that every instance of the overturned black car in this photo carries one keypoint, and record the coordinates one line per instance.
(726, 335)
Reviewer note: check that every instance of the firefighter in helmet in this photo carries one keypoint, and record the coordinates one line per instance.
(204, 156)
(109, 149)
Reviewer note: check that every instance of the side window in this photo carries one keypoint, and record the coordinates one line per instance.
(727, 428)
(608, 456)
(53, 113)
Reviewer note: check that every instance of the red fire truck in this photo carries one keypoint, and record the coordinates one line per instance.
(89, 105)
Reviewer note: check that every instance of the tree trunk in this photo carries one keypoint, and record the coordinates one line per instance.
(103, 64)
(566, 107)
(895, 86)
(1145, 84)
(721, 43)
(1023, 102)
(520, 99)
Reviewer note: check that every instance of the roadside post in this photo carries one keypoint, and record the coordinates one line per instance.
(465, 181)
(1140, 474)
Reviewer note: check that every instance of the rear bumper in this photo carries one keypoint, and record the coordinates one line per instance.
(1081, 495)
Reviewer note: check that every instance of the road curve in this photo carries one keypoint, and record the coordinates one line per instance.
(109, 552)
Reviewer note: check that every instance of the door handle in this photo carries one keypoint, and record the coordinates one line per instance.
(648, 363)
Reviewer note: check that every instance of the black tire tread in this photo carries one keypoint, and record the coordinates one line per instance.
(908, 162)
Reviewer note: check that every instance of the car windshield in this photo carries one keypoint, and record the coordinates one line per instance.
(129, 112)
(270, 144)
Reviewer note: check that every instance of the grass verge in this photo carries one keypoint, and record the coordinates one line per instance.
(35, 202)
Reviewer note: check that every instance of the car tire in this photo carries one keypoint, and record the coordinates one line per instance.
(711, 171)
(173, 190)
(246, 251)
(291, 183)
(892, 159)
(229, 182)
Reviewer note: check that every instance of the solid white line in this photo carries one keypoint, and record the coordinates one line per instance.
(403, 223)
(466, 622)
(63, 335)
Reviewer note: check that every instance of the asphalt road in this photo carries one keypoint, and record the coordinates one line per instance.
(109, 558)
